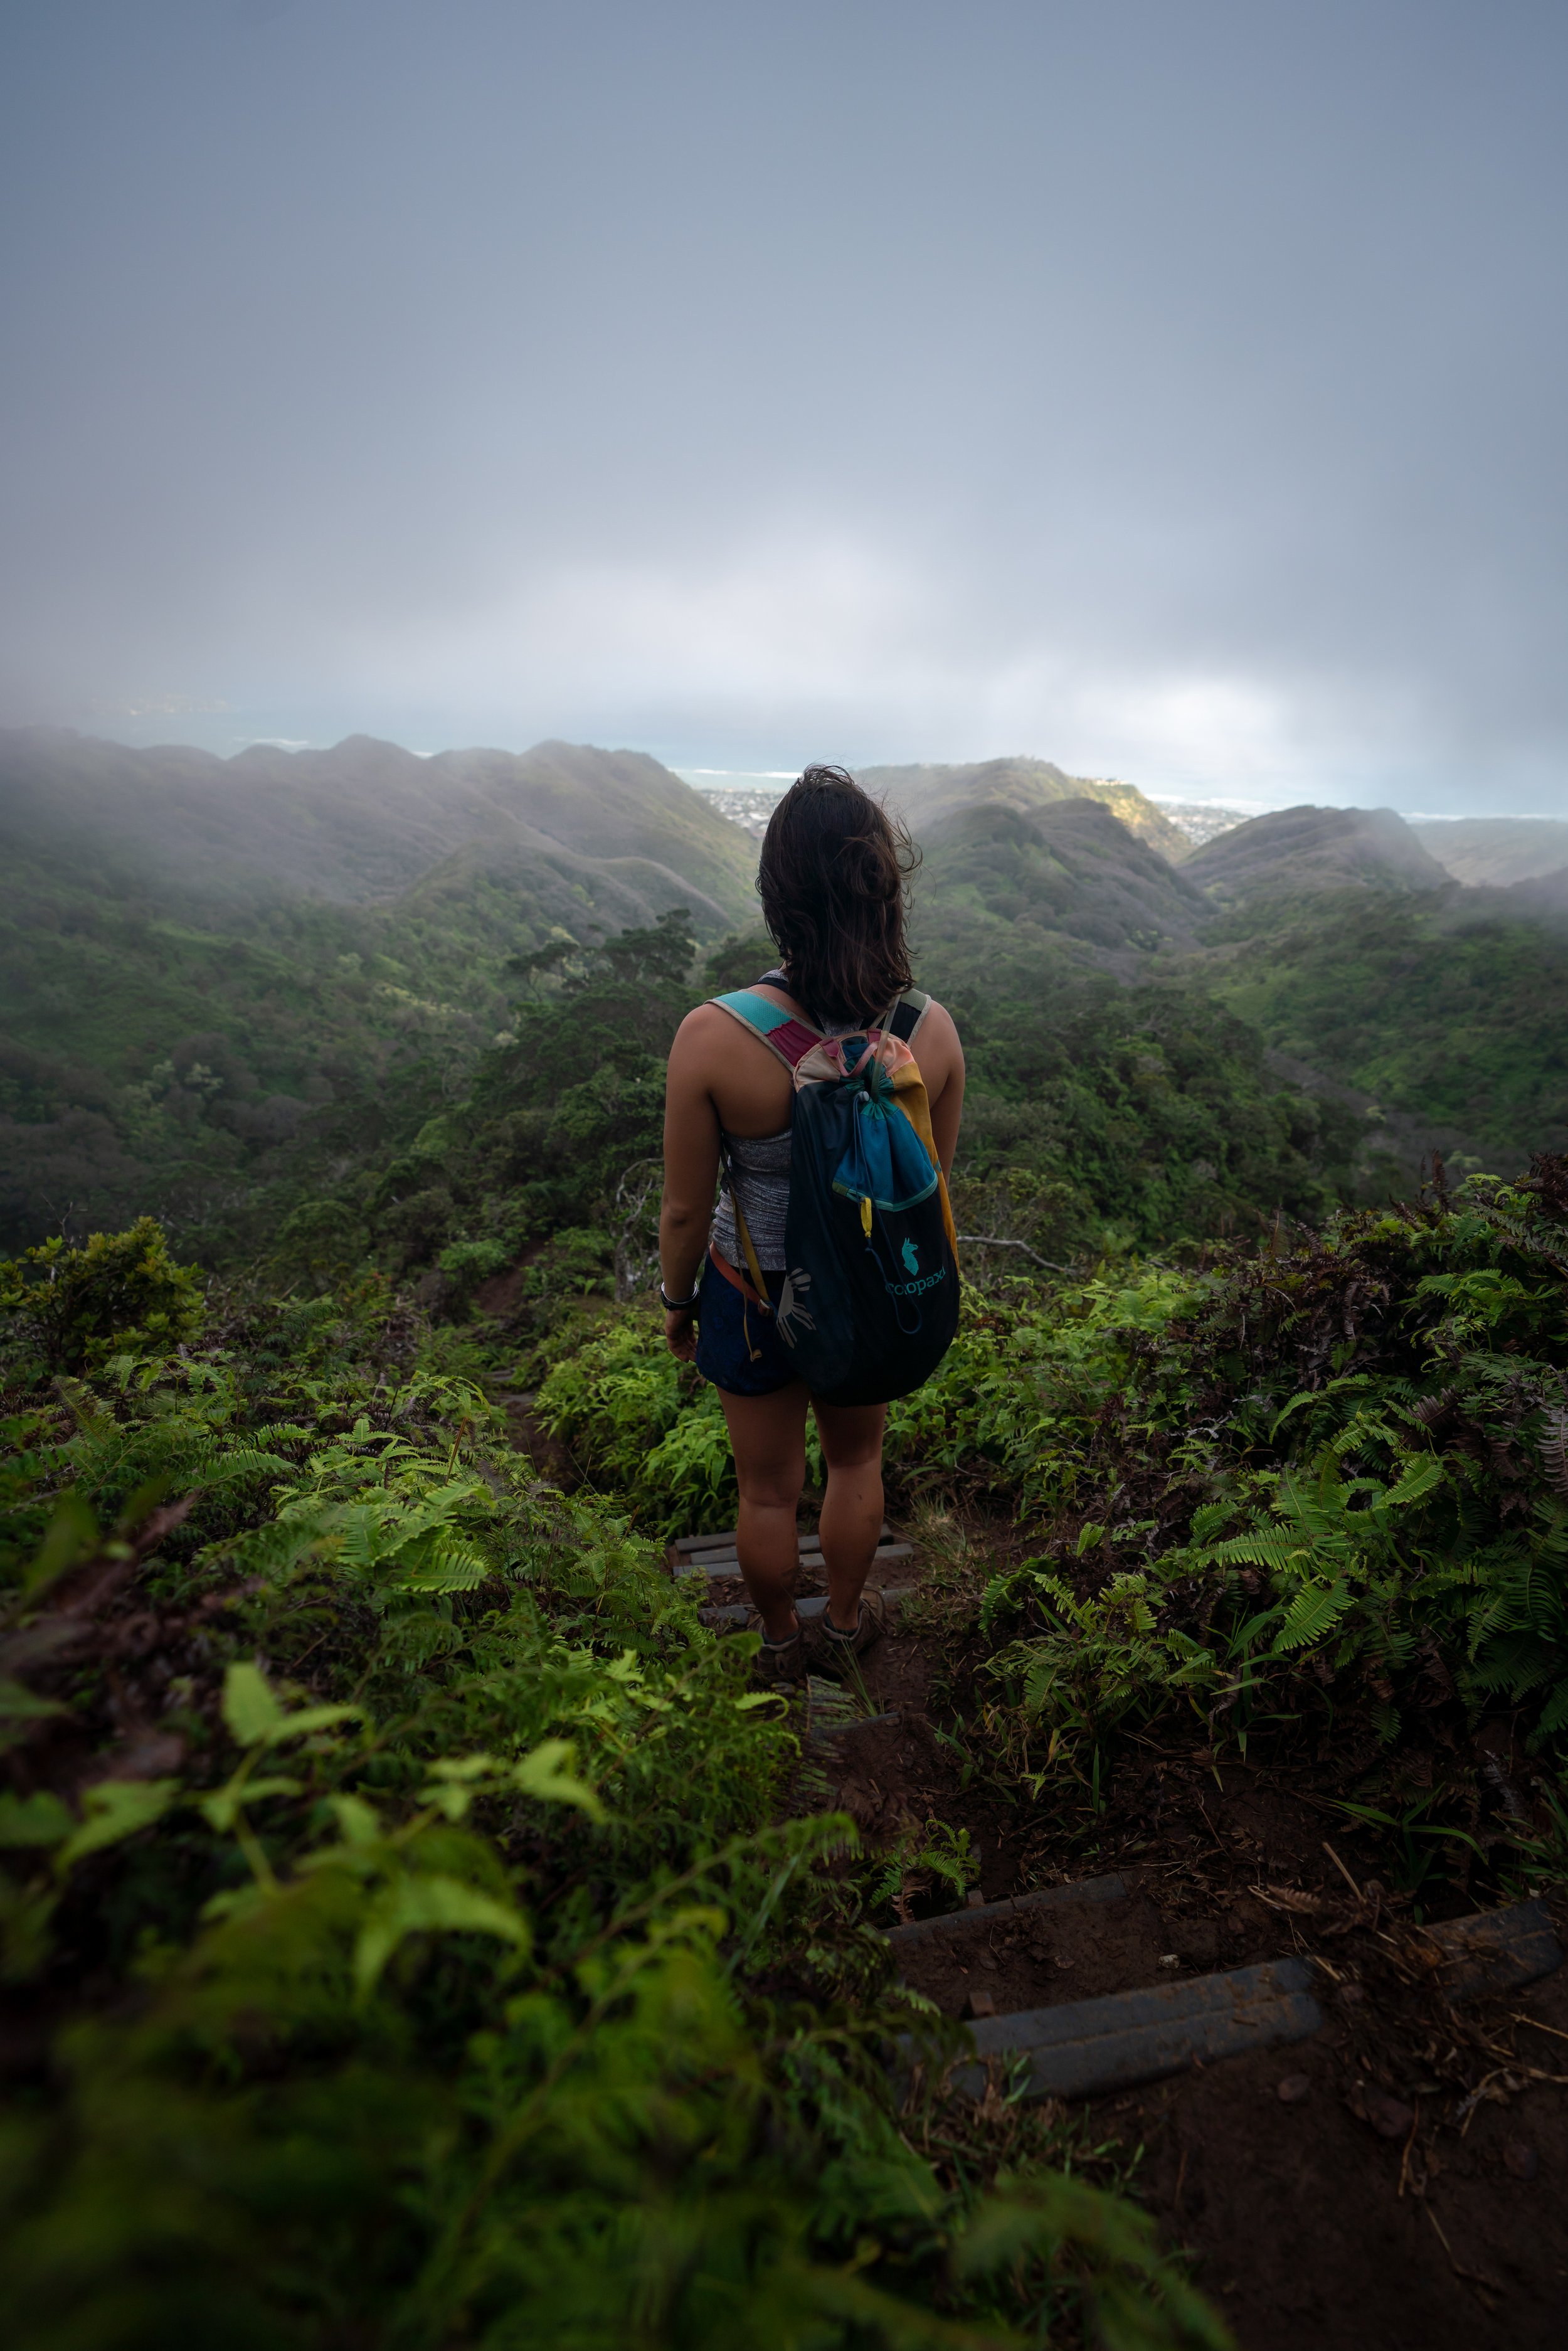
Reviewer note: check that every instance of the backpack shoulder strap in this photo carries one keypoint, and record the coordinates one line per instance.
(905, 1016)
(780, 1031)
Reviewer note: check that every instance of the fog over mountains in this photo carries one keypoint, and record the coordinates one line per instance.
(1500, 849)
(931, 797)
(366, 820)
(572, 826)
(200, 957)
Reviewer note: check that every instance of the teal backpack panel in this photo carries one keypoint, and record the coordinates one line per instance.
(871, 1303)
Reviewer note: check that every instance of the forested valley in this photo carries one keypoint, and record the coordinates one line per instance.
(417, 1929)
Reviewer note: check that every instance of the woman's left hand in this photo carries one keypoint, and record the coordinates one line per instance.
(681, 1334)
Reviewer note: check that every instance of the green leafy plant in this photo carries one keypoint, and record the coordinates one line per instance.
(421, 1988)
(79, 1306)
(924, 1857)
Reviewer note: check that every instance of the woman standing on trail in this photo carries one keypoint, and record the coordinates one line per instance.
(831, 881)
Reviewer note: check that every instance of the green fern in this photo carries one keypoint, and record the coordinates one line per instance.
(1311, 1615)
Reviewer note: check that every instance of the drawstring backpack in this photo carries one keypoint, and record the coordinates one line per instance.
(869, 1300)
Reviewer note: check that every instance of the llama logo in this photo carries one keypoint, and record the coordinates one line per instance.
(911, 1258)
(789, 1315)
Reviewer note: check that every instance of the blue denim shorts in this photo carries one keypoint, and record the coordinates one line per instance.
(738, 1349)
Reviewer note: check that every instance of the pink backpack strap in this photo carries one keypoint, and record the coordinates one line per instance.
(780, 1031)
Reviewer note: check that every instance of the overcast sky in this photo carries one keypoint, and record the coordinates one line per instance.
(1176, 389)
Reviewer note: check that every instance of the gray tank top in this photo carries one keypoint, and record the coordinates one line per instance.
(759, 1166)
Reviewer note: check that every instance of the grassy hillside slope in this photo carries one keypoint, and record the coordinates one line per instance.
(416, 1933)
(1350, 950)
(200, 958)
(926, 795)
(1000, 882)
(1284, 856)
(361, 821)
(1496, 849)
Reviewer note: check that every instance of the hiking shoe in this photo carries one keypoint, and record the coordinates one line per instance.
(833, 1650)
(777, 1662)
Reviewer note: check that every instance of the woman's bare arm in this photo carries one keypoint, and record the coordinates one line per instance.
(691, 1169)
(941, 1059)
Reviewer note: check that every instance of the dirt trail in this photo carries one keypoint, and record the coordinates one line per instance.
(1333, 2192)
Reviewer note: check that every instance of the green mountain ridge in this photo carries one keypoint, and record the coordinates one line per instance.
(200, 958)
(1544, 896)
(927, 796)
(226, 980)
(1305, 849)
(1438, 1011)
(1496, 849)
(1070, 873)
(363, 821)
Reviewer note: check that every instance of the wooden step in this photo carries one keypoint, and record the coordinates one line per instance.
(986, 1913)
(832, 1711)
(1086, 2047)
(690, 1545)
(728, 1565)
(1495, 1951)
(738, 1611)
(820, 1732)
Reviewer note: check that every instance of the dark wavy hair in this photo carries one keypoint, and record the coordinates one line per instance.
(833, 882)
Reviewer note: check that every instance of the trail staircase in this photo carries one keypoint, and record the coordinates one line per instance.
(1086, 2048)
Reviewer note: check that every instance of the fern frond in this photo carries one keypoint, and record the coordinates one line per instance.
(1414, 1481)
(1365, 1429)
(1208, 1519)
(1555, 1449)
(454, 1568)
(1311, 1615)
(1262, 1549)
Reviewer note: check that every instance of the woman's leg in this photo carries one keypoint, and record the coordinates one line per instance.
(852, 1508)
(767, 1434)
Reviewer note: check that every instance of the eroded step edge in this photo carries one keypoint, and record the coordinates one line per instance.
(823, 1731)
(724, 1541)
(983, 1914)
(832, 1711)
(1495, 1951)
(1086, 2047)
(738, 1611)
(730, 1565)
(1081, 2049)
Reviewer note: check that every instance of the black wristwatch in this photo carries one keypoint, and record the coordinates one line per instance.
(677, 1305)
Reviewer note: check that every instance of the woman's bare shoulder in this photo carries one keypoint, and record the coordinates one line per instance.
(937, 1027)
(706, 1039)
(705, 1025)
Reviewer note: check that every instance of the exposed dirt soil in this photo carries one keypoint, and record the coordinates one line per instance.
(1311, 2226)
(1043, 1958)
(1397, 2183)
(500, 1296)
(528, 1436)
